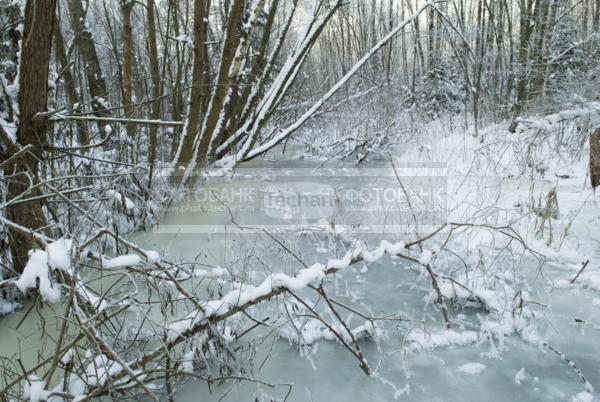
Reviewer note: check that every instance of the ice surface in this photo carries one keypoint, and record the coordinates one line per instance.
(505, 343)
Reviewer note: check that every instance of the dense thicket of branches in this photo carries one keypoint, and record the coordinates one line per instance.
(108, 107)
(199, 81)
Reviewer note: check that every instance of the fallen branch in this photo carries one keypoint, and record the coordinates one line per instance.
(585, 264)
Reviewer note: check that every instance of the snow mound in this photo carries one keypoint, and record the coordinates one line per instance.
(35, 390)
(418, 339)
(583, 396)
(36, 274)
(153, 256)
(7, 307)
(59, 254)
(471, 369)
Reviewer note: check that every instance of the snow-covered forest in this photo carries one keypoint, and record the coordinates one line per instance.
(299, 200)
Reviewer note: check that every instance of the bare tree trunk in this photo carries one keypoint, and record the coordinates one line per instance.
(178, 101)
(214, 118)
(10, 35)
(198, 91)
(545, 16)
(417, 38)
(595, 157)
(155, 113)
(248, 116)
(259, 65)
(479, 45)
(585, 15)
(87, 49)
(128, 56)
(596, 22)
(525, 31)
(70, 86)
(33, 96)
(430, 38)
(511, 54)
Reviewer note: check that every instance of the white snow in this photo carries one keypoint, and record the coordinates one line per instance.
(471, 369)
(35, 390)
(187, 363)
(520, 376)
(121, 261)
(37, 275)
(402, 391)
(153, 256)
(425, 257)
(76, 386)
(100, 369)
(7, 307)
(59, 254)
(249, 293)
(128, 203)
(183, 38)
(67, 357)
(583, 396)
(418, 339)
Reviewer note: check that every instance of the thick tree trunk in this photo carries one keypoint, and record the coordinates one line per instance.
(198, 91)
(248, 116)
(258, 66)
(595, 157)
(215, 117)
(33, 96)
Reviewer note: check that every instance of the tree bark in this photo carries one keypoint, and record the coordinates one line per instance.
(525, 31)
(10, 16)
(70, 86)
(596, 23)
(545, 16)
(595, 158)
(126, 10)
(87, 49)
(33, 96)
(180, 64)
(258, 66)
(198, 91)
(224, 81)
(154, 70)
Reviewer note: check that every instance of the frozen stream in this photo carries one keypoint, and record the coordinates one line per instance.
(511, 369)
(413, 360)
